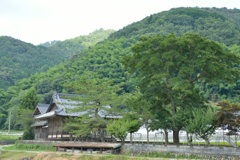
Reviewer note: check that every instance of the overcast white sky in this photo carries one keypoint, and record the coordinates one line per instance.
(39, 21)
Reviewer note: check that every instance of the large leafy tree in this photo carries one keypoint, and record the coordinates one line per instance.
(97, 96)
(172, 65)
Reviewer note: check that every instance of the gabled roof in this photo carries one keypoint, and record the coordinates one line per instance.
(42, 108)
(63, 104)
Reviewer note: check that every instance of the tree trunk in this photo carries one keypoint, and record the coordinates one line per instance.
(101, 135)
(130, 137)
(176, 136)
(189, 139)
(147, 136)
(146, 125)
(207, 141)
(166, 136)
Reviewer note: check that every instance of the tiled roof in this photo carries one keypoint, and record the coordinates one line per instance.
(43, 108)
(64, 104)
(39, 123)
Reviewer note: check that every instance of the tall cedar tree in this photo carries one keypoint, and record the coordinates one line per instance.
(29, 101)
(26, 107)
(228, 116)
(172, 65)
(97, 95)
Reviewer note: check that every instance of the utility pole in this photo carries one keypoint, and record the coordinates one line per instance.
(9, 123)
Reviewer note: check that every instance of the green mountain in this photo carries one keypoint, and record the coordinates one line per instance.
(233, 14)
(50, 43)
(20, 60)
(104, 58)
(80, 43)
(210, 24)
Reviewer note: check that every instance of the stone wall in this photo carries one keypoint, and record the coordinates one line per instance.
(7, 142)
(196, 150)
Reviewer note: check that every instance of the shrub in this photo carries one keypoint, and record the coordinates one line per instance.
(28, 135)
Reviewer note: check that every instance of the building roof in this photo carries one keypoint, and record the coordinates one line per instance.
(40, 109)
(43, 108)
(40, 123)
(63, 104)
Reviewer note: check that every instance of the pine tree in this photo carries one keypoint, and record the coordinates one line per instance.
(98, 95)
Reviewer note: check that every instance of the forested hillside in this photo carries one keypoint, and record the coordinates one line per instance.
(20, 60)
(212, 25)
(105, 57)
(77, 44)
(50, 43)
(233, 14)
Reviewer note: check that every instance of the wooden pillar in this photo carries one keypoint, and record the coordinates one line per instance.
(72, 149)
(81, 150)
(91, 150)
(111, 151)
(101, 150)
(65, 149)
(56, 149)
(52, 126)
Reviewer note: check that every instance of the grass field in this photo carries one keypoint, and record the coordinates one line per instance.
(7, 155)
(8, 137)
(30, 147)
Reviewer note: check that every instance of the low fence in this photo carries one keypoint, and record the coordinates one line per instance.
(7, 142)
(219, 138)
(211, 151)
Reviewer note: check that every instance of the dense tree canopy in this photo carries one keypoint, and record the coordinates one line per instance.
(170, 66)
